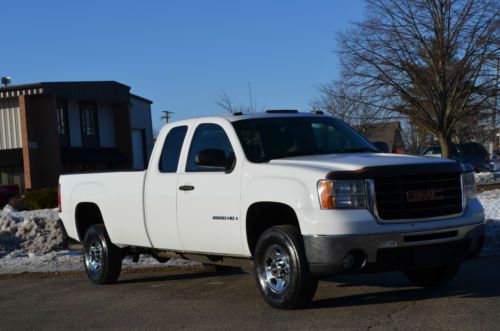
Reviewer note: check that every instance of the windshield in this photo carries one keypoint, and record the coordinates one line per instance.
(265, 139)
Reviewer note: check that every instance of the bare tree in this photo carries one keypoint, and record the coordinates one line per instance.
(225, 103)
(349, 104)
(412, 137)
(428, 57)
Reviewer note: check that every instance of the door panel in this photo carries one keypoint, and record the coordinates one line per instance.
(209, 212)
(161, 191)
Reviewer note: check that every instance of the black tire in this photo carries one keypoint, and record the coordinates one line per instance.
(288, 283)
(102, 259)
(433, 277)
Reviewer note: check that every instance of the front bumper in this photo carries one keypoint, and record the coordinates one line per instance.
(328, 255)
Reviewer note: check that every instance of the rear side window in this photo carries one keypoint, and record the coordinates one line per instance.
(172, 149)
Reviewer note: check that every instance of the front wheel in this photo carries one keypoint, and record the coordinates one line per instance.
(102, 259)
(433, 277)
(281, 268)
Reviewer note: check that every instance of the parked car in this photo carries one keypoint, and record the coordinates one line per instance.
(8, 192)
(295, 196)
(472, 153)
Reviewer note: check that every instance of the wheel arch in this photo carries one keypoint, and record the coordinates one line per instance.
(262, 215)
(86, 215)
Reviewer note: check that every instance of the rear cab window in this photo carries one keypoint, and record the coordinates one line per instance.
(170, 154)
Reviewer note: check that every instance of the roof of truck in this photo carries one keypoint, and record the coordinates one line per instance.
(246, 116)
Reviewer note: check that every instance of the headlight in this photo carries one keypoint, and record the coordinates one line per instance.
(469, 183)
(342, 194)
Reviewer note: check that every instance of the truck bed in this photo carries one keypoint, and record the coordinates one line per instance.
(119, 196)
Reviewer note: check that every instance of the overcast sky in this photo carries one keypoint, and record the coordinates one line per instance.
(180, 54)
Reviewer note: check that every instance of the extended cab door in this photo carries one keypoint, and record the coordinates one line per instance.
(208, 198)
(161, 190)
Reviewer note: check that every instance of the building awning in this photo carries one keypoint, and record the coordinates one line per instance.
(91, 155)
(11, 157)
(101, 91)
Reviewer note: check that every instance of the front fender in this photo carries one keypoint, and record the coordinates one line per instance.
(291, 192)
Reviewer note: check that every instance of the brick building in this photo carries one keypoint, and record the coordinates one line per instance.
(62, 127)
(388, 132)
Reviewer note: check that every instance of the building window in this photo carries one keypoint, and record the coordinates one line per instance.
(90, 127)
(12, 175)
(62, 122)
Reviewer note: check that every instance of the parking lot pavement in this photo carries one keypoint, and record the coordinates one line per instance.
(200, 300)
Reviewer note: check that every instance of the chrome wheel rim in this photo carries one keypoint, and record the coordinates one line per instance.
(276, 269)
(94, 257)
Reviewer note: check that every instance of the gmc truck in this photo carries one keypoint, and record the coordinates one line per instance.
(295, 196)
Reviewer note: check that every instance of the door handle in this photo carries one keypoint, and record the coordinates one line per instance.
(186, 187)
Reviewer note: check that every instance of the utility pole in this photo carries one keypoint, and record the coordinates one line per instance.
(166, 115)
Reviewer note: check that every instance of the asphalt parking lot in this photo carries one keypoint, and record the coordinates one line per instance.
(182, 299)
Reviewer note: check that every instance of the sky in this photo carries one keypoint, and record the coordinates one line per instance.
(181, 54)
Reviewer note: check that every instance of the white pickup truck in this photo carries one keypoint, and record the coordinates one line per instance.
(299, 196)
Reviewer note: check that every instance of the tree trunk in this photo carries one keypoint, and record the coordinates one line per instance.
(445, 143)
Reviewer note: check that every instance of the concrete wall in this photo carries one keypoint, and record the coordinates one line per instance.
(140, 118)
(41, 153)
(10, 124)
(123, 133)
(106, 125)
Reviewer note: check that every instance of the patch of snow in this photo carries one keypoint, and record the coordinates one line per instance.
(65, 260)
(491, 203)
(486, 178)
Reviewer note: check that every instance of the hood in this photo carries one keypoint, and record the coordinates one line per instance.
(357, 161)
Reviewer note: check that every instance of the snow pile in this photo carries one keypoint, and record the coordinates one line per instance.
(38, 231)
(35, 241)
(491, 203)
(486, 178)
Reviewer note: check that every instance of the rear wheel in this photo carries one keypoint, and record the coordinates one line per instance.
(433, 277)
(102, 259)
(281, 268)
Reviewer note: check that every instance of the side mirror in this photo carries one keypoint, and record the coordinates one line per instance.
(381, 146)
(214, 158)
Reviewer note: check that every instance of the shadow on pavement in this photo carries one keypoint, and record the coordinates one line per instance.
(183, 276)
(477, 279)
(403, 295)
